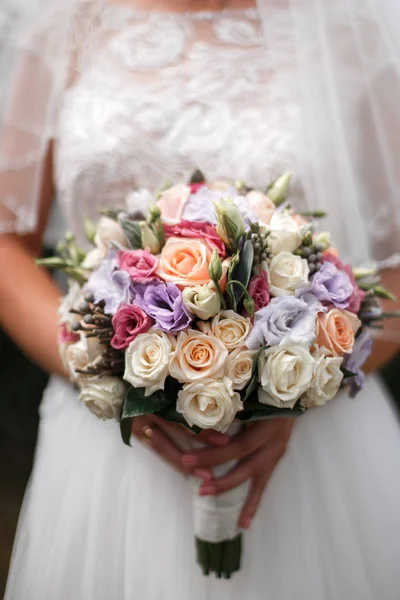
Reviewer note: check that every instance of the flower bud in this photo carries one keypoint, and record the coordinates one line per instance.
(230, 224)
(202, 300)
(323, 239)
(279, 189)
(215, 267)
(90, 230)
(149, 238)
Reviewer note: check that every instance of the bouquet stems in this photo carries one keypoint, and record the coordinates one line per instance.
(221, 558)
(217, 535)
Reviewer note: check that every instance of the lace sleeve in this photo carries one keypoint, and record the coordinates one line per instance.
(33, 69)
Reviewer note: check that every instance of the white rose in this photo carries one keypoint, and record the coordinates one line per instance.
(197, 356)
(287, 272)
(285, 374)
(92, 259)
(104, 396)
(239, 367)
(228, 327)
(82, 354)
(209, 404)
(285, 235)
(326, 381)
(108, 231)
(202, 300)
(146, 361)
(72, 299)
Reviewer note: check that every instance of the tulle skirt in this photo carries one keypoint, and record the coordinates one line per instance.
(102, 521)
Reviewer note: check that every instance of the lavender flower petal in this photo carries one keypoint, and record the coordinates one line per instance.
(286, 320)
(163, 302)
(110, 284)
(332, 285)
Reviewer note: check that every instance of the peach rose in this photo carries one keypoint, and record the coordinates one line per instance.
(184, 262)
(336, 330)
(261, 206)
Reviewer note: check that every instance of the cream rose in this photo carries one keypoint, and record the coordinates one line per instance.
(72, 299)
(285, 374)
(285, 235)
(336, 331)
(228, 327)
(287, 272)
(327, 378)
(209, 404)
(202, 300)
(104, 396)
(146, 361)
(239, 367)
(108, 231)
(261, 206)
(82, 354)
(197, 356)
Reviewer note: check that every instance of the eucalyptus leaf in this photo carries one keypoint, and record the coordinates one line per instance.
(242, 270)
(133, 233)
(111, 213)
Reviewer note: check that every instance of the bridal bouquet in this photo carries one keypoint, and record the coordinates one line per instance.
(212, 305)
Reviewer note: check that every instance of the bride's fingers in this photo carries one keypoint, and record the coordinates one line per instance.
(254, 498)
(245, 470)
(240, 446)
(162, 445)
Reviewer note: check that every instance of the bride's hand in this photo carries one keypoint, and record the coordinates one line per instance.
(171, 441)
(258, 448)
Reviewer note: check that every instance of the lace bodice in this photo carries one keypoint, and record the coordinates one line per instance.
(159, 95)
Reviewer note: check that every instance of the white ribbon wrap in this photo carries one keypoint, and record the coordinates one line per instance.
(215, 518)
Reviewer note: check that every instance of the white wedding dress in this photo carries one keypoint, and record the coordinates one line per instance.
(159, 97)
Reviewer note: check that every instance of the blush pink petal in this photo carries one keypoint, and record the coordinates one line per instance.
(172, 203)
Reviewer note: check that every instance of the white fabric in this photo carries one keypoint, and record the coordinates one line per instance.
(331, 66)
(153, 97)
(103, 521)
(216, 518)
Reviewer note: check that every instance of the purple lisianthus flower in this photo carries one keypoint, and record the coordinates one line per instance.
(286, 320)
(110, 284)
(354, 362)
(163, 302)
(332, 285)
(200, 206)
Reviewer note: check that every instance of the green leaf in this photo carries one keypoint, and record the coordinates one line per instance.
(52, 263)
(251, 388)
(111, 213)
(133, 233)
(137, 404)
(173, 416)
(197, 177)
(242, 270)
(347, 374)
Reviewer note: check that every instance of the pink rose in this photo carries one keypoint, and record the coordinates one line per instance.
(190, 229)
(261, 206)
(128, 322)
(140, 264)
(194, 187)
(172, 203)
(358, 295)
(66, 336)
(259, 290)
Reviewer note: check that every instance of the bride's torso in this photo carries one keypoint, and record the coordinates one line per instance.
(158, 95)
